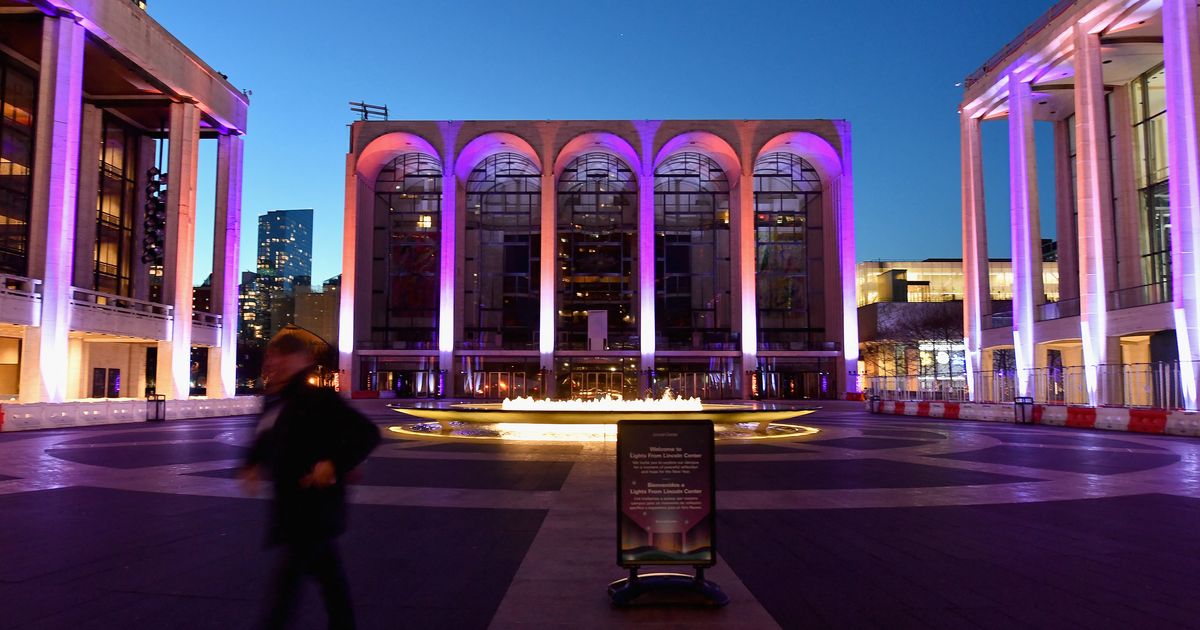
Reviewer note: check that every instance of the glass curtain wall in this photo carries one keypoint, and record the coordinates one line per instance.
(1150, 166)
(691, 254)
(597, 248)
(18, 95)
(408, 198)
(502, 253)
(788, 253)
(112, 271)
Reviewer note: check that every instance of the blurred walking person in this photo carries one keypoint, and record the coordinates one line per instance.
(308, 439)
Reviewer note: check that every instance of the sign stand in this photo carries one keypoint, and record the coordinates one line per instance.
(625, 590)
(666, 511)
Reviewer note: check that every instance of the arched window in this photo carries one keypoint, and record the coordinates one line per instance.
(597, 246)
(502, 253)
(408, 199)
(691, 254)
(788, 253)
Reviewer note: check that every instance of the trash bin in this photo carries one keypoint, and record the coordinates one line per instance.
(1023, 410)
(156, 408)
(873, 404)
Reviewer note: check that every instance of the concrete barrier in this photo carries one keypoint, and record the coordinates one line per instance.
(1159, 421)
(30, 416)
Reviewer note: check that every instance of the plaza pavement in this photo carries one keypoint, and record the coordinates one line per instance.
(876, 521)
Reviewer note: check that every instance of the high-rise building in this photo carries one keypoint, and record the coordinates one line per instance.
(317, 311)
(284, 261)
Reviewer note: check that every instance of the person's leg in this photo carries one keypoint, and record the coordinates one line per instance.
(335, 590)
(285, 586)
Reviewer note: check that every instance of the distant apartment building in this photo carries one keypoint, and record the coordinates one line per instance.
(317, 311)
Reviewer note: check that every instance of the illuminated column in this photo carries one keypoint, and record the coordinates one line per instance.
(645, 263)
(1181, 60)
(227, 234)
(546, 281)
(1093, 190)
(977, 298)
(749, 293)
(354, 308)
(175, 354)
(447, 270)
(846, 267)
(1026, 237)
(88, 193)
(44, 353)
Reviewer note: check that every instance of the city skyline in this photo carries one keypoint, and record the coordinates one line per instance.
(902, 105)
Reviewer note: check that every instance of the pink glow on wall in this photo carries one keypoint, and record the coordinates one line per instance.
(489, 144)
(707, 143)
(974, 235)
(645, 258)
(382, 150)
(549, 270)
(1181, 60)
(346, 314)
(597, 141)
(448, 254)
(1024, 204)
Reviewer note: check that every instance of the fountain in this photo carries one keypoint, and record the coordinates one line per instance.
(582, 420)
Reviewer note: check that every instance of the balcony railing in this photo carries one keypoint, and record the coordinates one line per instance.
(997, 320)
(20, 286)
(1158, 385)
(85, 298)
(209, 320)
(1058, 310)
(1143, 295)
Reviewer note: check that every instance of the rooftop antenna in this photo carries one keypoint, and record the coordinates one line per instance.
(369, 112)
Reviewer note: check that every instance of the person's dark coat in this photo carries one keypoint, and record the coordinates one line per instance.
(313, 424)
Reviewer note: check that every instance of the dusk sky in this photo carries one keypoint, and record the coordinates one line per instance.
(888, 67)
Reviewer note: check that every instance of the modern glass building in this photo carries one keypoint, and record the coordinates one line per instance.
(1117, 82)
(577, 258)
(284, 265)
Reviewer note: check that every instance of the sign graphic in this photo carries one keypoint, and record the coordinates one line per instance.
(666, 504)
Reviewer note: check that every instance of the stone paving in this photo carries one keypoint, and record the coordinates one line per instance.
(875, 521)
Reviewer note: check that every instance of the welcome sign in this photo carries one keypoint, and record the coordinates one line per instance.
(666, 503)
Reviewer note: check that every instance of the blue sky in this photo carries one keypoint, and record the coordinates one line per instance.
(888, 67)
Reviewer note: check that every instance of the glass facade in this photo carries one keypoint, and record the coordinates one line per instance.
(115, 210)
(789, 253)
(18, 94)
(597, 250)
(407, 230)
(692, 260)
(1152, 172)
(502, 254)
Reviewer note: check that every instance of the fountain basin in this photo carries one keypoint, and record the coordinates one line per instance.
(492, 413)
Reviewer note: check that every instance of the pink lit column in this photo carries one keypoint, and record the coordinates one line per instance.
(546, 281)
(1094, 202)
(645, 262)
(846, 265)
(1181, 60)
(227, 233)
(175, 354)
(448, 257)
(44, 363)
(355, 298)
(746, 274)
(1026, 237)
(976, 287)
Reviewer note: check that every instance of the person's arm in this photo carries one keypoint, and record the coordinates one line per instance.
(356, 435)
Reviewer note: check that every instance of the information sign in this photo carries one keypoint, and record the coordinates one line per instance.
(666, 503)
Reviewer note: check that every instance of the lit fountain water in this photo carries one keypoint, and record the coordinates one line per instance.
(531, 419)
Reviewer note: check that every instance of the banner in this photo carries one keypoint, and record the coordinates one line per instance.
(666, 500)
